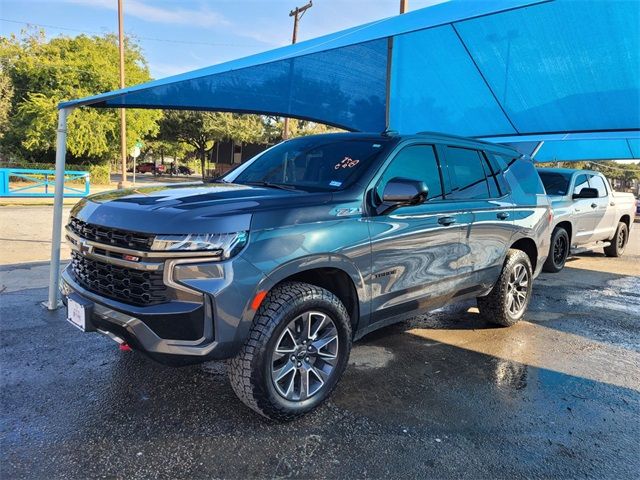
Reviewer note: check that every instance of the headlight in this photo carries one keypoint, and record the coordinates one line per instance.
(225, 245)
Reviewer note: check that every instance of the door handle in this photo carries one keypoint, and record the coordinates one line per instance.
(502, 215)
(613, 204)
(447, 221)
(594, 205)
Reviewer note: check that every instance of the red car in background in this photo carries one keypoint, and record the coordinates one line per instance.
(150, 167)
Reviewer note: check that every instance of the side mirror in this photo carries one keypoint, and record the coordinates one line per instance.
(586, 193)
(401, 192)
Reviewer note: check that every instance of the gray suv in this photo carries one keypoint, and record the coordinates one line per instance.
(285, 261)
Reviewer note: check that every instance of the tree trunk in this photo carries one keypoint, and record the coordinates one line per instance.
(203, 161)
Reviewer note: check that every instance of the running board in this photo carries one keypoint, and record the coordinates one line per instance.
(589, 247)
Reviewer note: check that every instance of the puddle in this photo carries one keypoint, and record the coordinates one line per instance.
(370, 356)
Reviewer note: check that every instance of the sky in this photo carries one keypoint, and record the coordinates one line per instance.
(181, 35)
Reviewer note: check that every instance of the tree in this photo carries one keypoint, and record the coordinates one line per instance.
(50, 71)
(6, 96)
(201, 130)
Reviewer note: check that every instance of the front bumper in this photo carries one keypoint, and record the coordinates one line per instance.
(178, 332)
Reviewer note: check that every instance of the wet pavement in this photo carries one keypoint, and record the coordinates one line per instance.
(444, 395)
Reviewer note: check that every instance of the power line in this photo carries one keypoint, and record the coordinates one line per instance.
(623, 169)
(153, 39)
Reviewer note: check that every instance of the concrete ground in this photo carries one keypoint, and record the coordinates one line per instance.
(444, 395)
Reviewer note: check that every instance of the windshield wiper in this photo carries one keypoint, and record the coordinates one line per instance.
(280, 186)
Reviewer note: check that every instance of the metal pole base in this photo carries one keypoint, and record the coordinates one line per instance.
(51, 308)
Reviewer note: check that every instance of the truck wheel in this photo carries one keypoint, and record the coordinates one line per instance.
(558, 252)
(618, 242)
(295, 352)
(508, 300)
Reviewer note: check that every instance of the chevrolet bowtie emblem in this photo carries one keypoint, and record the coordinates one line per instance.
(85, 247)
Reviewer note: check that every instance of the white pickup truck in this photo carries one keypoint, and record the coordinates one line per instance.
(587, 213)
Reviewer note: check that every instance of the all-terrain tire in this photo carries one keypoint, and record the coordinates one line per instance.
(558, 251)
(618, 242)
(496, 307)
(250, 370)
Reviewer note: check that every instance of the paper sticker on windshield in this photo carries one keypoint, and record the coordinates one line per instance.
(333, 183)
(346, 162)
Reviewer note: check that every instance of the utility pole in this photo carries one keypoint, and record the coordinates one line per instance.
(297, 14)
(123, 118)
(404, 6)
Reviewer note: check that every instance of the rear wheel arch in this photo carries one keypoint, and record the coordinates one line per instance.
(528, 246)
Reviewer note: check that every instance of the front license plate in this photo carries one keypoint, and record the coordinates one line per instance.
(76, 314)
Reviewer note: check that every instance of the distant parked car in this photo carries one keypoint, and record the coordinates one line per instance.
(150, 167)
(587, 214)
(181, 170)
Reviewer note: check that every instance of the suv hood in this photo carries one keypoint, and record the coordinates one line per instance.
(190, 208)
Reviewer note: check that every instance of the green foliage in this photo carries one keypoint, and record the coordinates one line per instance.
(100, 173)
(6, 96)
(48, 72)
(201, 130)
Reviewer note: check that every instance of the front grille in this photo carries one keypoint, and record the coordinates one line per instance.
(128, 285)
(111, 236)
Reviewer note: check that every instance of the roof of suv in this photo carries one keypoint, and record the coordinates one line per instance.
(569, 171)
(434, 136)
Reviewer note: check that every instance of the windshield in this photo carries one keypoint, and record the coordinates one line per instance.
(310, 163)
(555, 183)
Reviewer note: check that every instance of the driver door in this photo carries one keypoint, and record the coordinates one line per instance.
(415, 249)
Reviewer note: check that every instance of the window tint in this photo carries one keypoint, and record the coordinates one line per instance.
(581, 182)
(498, 166)
(310, 163)
(596, 182)
(467, 174)
(416, 162)
(555, 183)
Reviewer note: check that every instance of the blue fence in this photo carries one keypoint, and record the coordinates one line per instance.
(25, 182)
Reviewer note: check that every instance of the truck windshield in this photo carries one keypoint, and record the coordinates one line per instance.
(309, 163)
(555, 183)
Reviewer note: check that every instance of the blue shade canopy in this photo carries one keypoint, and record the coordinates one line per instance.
(483, 68)
(577, 146)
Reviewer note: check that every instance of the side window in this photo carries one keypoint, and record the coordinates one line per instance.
(467, 174)
(416, 162)
(596, 182)
(498, 166)
(581, 182)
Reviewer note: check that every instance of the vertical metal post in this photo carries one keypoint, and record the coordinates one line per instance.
(123, 115)
(404, 6)
(61, 151)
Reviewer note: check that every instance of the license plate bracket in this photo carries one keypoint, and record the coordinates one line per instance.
(79, 312)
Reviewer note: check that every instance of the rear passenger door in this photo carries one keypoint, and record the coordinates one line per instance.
(605, 221)
(584, 218)
(477, 183)
(415, 249)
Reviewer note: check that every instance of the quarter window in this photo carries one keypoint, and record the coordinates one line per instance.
(467, 174)
(498, 166)
(415, 162)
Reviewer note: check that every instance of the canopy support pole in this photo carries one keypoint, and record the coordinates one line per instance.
(61, 151)
(537, 149)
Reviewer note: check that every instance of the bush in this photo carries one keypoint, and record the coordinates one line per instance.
(100, 174)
